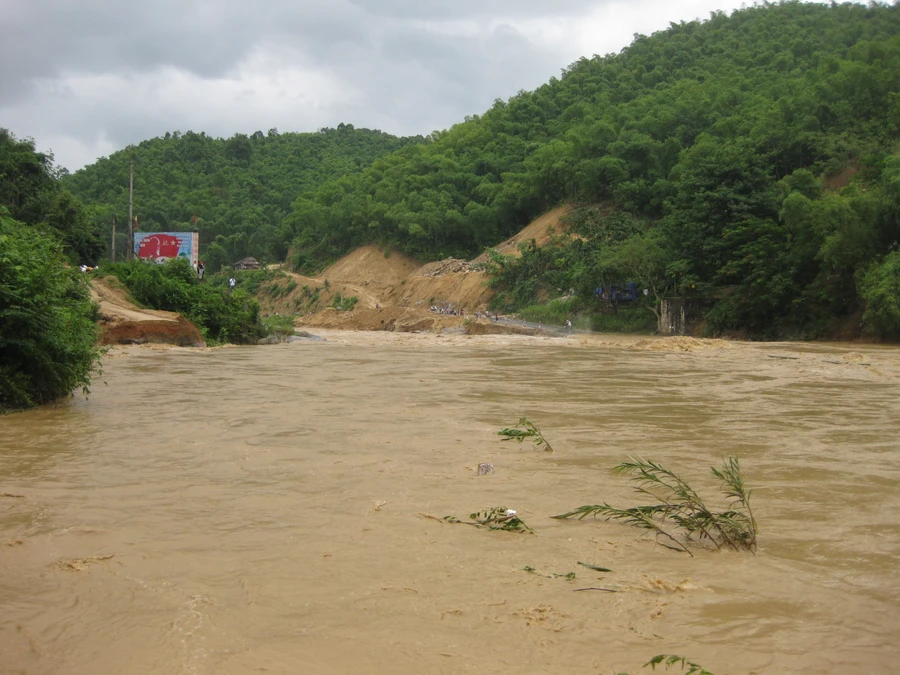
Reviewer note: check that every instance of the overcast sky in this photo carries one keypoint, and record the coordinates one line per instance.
(85, 78)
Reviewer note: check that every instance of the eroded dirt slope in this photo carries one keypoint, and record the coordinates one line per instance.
(540, 229)
(371, 266)
(122, 322)
(395, 292)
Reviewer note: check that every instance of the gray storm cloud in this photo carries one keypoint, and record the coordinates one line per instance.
(87, 78)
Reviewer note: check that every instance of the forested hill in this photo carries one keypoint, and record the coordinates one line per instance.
(750, 161)
(716, 149)
(764, 92)
(239, 189)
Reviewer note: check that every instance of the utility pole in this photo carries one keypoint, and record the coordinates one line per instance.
(113, 256)
(130, 216)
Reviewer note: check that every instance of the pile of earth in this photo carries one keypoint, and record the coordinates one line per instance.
(122, 322)
(391, 291)
(541, 229)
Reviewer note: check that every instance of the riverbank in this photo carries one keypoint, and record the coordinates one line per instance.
(122, 322)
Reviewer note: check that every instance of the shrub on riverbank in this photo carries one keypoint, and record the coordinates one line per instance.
(554, 313)
(221, 316)
(279, 324)
(624, 320)
(879, 286)
(48, 335)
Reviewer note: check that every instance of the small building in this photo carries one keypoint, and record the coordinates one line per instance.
(247, 264)
(673, 316)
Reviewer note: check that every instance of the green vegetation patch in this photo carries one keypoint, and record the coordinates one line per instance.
(48, 334)
(553, 313)
(678, 516)
(344, 304)
(278, 324)
(526, 429)
(221, 315)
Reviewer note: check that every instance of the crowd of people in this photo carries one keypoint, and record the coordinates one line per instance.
(448, 309)
(461, 311)
(199, 268)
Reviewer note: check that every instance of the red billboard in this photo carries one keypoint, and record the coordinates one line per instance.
(162, 246)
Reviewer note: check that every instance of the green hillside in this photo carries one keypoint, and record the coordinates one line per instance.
(748, 162)
(239, 189)
(719, 153)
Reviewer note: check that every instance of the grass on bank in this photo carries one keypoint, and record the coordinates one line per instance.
(552, 313)
(278, 324)
(638, 320)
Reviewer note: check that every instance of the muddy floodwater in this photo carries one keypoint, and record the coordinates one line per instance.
(280, 509)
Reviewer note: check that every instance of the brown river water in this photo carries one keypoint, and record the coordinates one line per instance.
(279, 509)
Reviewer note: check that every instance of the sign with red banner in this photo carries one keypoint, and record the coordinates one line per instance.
(159, 247)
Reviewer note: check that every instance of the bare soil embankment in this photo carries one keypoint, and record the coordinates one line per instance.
(540, 229)
(122, 322)
(396, 293)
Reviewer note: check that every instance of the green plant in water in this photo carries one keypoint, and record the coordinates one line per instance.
(569, 576)
(672, 660)
(528, 430)
(497, 518)
(680, 510)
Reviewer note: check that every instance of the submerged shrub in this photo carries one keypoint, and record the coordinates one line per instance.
(680, 517)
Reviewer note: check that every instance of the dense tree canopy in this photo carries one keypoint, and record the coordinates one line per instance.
(695, 124)
(31, 193)
(47, 331)
(47, 319)
(236, 192)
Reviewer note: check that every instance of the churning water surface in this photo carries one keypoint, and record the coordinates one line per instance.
(280, 509)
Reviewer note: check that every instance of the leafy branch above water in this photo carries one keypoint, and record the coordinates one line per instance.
(689, 667)
(680, 517)
(528, 430)
(568, 576)
(497, 518)
(672, 660)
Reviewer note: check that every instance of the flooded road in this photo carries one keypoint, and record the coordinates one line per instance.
(279, 509)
